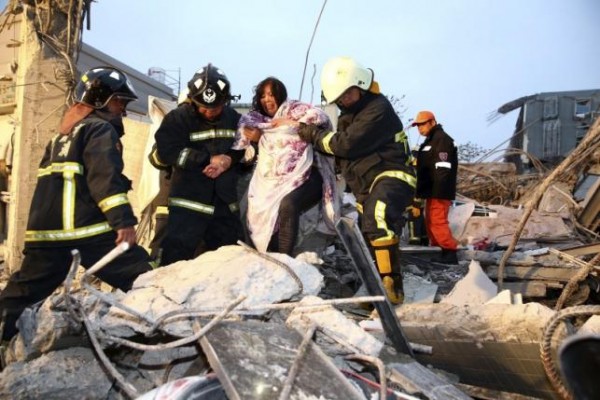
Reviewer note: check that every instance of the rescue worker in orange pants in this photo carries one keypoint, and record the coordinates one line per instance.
(371, 149)
(437, 165)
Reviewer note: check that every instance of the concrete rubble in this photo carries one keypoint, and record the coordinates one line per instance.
(258, 326)
(470, 338)
(50, 337)
(242, 321)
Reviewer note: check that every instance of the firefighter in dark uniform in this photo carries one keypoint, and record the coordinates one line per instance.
(437, 165)
(372, 151)
(80, 200)
(417, 232)
(195, 139)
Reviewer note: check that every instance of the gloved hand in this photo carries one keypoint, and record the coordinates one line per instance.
(415, 211)
(308, 133)
(416, 208)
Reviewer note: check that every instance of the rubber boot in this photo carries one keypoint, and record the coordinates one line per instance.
(387, 258)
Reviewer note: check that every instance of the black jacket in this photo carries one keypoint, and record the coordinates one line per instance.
(437, 165)
(369, 144)
(186, 141)
(81, 193)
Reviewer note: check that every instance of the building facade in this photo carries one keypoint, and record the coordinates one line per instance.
(551, 124)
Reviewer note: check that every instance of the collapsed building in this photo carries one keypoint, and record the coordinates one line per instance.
(237, 324)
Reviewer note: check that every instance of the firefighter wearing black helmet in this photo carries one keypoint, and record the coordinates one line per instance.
(195, 139)
(80, 199)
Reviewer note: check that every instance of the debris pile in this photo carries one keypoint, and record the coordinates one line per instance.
(236, 323)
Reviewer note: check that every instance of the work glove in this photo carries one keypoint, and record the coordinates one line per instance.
(415, 211)
(416, 208)
(307, 133)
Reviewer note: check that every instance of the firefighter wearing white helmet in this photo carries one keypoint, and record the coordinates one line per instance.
(342, 73)
(372, 151)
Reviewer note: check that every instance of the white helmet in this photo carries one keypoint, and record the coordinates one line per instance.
(341, 73)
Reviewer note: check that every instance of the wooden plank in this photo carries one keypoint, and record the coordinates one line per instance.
(588, 215)
(252, 360)
(527, 288)
(582, 250)
(533, 273)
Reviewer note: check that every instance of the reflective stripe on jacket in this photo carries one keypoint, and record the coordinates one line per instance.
(186, 141)
(81, 192)
(369, 144)
(437, 166)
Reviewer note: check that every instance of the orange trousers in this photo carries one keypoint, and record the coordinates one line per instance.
(436, 222)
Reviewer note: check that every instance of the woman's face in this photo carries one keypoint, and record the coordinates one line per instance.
(268, 102)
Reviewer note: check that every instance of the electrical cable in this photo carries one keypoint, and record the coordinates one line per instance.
(309, 46)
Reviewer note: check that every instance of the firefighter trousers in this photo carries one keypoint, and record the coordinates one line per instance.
(383, 209)
(189, 230)
(45, 268)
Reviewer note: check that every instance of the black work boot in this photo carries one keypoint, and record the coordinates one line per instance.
(446, 257)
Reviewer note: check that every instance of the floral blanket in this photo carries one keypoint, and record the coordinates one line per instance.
(284, 163)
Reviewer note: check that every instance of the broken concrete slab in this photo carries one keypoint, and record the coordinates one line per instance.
(49, 327)
(66, 374)
(211, 282)
(335, 325)
(253, 359)
(496, 346)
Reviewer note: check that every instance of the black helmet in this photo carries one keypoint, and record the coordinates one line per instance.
(98, 85)
(209, 87)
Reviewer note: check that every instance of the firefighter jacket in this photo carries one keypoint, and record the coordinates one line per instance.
(81, 193)
(186, 141)
(369, 144)
(437, 165)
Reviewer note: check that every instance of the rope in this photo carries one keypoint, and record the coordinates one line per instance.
(546, 345)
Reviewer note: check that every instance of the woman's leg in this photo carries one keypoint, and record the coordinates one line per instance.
(299, 200)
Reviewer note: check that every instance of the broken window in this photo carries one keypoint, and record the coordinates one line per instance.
(551, 107)
(583, 108)
(551, 138)
(580, 132)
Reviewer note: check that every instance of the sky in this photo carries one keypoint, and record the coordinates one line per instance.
(461, 59)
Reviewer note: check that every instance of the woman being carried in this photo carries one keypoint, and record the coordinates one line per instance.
(289, 177)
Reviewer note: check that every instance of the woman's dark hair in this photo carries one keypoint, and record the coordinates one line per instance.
(277, 88)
